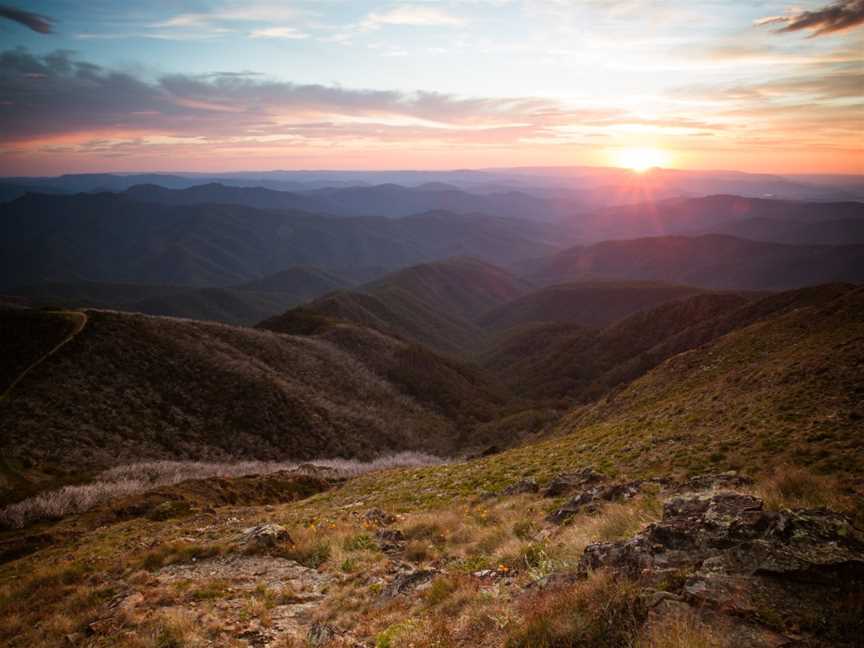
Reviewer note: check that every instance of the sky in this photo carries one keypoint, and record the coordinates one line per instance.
(220, 85)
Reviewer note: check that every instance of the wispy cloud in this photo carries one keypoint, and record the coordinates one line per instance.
(413, 15)
(58, 95)
(58, 104)
(36, 22)
(278, 32)
(836, 17)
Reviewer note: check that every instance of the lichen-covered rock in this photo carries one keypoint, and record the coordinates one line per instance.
(791, 570)
(724, 480)
(390, 540)
(406, 582)
(265, 536)
(567, 483)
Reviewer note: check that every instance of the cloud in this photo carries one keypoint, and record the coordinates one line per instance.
(278, 32)
(36, 22)
(59, 103)
(836, 17)
(412, 15)
(59, 94)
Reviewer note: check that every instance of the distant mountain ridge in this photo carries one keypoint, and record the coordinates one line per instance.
(110, 238)
(711, 261)
(588, 303)
(717, 214)
(243, 304)
(434, 304)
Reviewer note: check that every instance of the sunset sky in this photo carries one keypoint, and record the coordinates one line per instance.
(336, 84)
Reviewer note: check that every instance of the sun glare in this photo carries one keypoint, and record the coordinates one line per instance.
(640, 159)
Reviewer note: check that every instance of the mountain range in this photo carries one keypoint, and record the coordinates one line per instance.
(390, 416)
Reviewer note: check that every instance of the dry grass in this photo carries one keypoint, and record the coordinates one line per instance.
(599, 612)
(681, 630)
(794, 487)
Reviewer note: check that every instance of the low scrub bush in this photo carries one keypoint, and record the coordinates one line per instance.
(312, 554)
(794, 487)
(133, 479)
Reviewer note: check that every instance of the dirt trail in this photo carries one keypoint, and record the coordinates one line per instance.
(79, 320)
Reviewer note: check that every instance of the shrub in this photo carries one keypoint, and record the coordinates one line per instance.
(359, 542)
(440, 590)
(312, 555)
(600, 612)
(525, 529)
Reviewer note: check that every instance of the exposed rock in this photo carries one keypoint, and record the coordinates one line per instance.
(730, 479)
(587, 499)
(566, 483)
(297, 591)
(556, 579)
(320, 634)
(390, 540)
(378, 517)
(528, 485)
(265, 536)
(485, 573)
(406, 582)
(721, 551)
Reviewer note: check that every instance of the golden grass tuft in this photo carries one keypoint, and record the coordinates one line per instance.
(681, 629)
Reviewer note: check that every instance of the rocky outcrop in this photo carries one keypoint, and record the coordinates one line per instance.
(406, 582)
(797, 573)
(523, 486)
(567, 483)
(588, 499)
(724, 480)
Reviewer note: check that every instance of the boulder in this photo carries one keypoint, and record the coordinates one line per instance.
(265, 536)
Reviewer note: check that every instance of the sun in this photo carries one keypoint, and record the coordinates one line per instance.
(640, 159)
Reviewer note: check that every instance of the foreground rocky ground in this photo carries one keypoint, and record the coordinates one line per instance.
(579, 559)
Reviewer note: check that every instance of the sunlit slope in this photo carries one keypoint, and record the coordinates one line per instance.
(785, 389)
